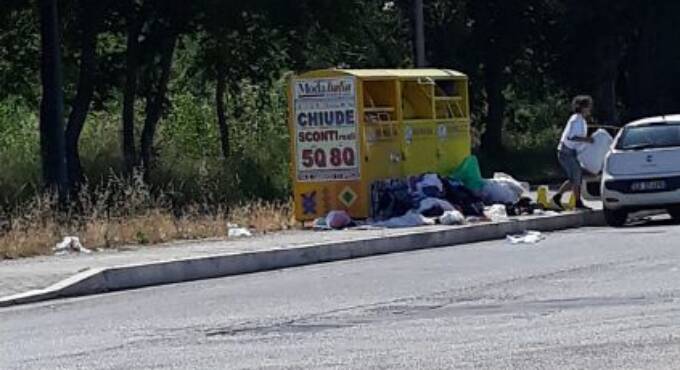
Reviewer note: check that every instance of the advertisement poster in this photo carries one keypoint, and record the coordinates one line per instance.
(326, 129)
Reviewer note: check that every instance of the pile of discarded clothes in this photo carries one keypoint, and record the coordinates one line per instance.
(463, 196)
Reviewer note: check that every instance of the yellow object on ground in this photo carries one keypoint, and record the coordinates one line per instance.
(572, 202)
(542, 197)
(352, 127)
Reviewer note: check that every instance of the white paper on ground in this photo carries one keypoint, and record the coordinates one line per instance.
(529, 237)
(234, 231)
(69, 244)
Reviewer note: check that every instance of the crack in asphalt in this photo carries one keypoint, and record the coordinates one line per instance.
(453, 302)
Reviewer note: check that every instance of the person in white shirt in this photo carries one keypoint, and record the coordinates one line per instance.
(574, 139)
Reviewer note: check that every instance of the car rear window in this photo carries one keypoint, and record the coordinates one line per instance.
(661, 135)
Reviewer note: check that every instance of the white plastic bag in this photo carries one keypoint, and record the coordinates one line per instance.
(452, 218)
(501, 191)
(592, 156)
(524, 186)
(234, 231)
(496, 213)
(68, 245)
(429, 180)
(529, 237)
(429, 203)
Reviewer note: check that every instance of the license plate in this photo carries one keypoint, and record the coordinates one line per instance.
(648, 186)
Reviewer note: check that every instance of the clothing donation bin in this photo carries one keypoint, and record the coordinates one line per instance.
(352, 127)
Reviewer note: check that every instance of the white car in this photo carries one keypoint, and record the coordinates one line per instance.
(642, 170)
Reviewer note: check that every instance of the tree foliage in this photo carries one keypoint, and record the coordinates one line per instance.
(163, 74)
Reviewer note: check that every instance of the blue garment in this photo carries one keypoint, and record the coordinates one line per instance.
(569, 161)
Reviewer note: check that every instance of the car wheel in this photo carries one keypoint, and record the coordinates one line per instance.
(615, 218)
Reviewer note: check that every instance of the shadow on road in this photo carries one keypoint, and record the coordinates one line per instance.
(652, 222)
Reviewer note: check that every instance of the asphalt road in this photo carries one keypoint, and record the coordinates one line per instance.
(589, 298)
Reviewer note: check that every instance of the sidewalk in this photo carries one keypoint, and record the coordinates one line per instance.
(17, 276)
(23, 275)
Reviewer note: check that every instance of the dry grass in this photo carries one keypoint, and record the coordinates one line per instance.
(128, 214)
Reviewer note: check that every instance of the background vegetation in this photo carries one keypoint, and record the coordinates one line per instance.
(188, 98)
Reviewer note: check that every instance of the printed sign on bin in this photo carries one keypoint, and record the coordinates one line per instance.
(326, 129)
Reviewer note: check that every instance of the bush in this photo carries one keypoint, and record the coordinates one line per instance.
(188, 166)
(19, 150)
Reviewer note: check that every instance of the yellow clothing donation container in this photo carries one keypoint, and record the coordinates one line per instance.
(352, 127)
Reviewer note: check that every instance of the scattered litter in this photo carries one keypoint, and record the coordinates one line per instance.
(452, 218)
(476, 219)
(501, 191)
(528, 237)
(320, 224)
(410, 219)
(543, 212)
(496, 213)
(542, 197)
(430, 186)
(234, 231)
(68, 245)
(524, 206)
(338, 220)
(434, 206)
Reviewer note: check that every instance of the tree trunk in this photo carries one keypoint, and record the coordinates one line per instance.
(90, 17)
(220, 89)
(419, 29)
(134, 29)
(492, 140)
(154, 106)
(52, 104)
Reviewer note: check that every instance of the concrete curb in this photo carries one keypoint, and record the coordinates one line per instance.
(103, 280)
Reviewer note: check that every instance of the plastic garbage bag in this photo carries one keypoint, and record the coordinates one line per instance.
(235, 231)
(501, 191)
(592, 156)
(469, 174)
(338, 220)
(430, 181)
(496, 213)
(529, 237)
(411, 218)
(524, 186)
(68, 245)
(436, 206)
(452, 218)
